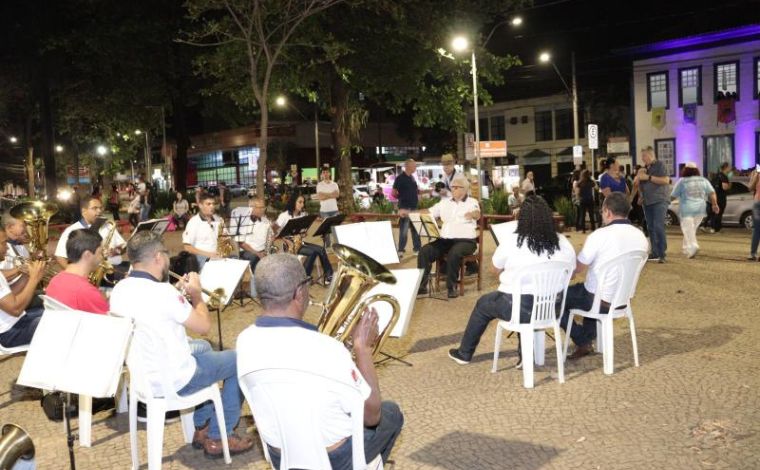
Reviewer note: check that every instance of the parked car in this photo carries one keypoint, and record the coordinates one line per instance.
(361, 195)
(738, 207)
(236, 190)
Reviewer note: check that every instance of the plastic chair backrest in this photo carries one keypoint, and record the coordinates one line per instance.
(624, 270)
(51, 304)
(287, 402)
(548, 279)
(138, 372)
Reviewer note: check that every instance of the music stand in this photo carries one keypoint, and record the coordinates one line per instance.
(76, 352)
(427, 228)
(227, 274)
(325, 228)
(154, 225)
(297, 226)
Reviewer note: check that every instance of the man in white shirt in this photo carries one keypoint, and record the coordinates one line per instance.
(17, 325)
(531, 240)
(449, 171)
(460, 216)
(92, 208)
(161, 315)
(618, 236)
(16, 232)
(281, 339)
(202, 231)
(254, 233)
(327, 193)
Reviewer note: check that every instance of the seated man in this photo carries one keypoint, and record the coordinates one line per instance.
(533, 240)
(71, 286)
(618, 236)
(460, 215)
(294, 210)
(161, 315)
(17, 251)
(17, 325)
(255, 233)
(281, 339)
(202, 231)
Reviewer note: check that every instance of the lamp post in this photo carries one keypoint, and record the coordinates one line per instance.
(281, 102)
(460, 44)
(573, 93)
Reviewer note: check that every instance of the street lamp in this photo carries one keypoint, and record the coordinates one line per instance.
(545, 57)
(59, 148)
(461, 44)
(101, 150)
(13, 139)
(281, 102)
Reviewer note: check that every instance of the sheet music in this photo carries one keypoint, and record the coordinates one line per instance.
(224, 273)
(374, 239)
(502, 230)
(405, 291)
(77, 352)
(154, 225)
(425, 225)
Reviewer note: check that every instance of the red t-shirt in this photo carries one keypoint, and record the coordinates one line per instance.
(76, 292)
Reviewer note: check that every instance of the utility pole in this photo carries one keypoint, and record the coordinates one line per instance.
(575, 100)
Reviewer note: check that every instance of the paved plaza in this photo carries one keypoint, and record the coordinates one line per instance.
(694, 402)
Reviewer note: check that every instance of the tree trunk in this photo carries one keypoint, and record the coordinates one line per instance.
(261, 167)
(29, 163)
(46, 126)
(342, 142)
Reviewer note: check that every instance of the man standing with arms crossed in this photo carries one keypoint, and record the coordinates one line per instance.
(327, 193)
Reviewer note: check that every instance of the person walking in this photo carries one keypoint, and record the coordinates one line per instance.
(721, 183)
(754, 186)
(585, 194)
(692, 190)
(405, 190)
(653, 182)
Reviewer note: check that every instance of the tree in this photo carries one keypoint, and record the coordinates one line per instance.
(248, 40)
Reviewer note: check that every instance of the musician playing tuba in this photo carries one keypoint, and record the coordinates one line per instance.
(280, 339)
(92, 208)
(16, 253)
(201, 235)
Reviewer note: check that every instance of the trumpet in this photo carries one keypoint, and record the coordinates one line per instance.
(217, 297)
(51, 267)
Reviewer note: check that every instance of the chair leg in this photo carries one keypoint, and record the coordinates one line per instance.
(609, 348)
(633, 339)
(496, 347)
(539, 347)
(600, 337)
(526, 346)
(133, 431)
(567, 335)
(461, 278)
(217, 399)
(188, 427)
(155, 432)
(122, 404)
(85, 421)
(558, 348)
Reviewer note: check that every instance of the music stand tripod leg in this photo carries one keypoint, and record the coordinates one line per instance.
(389, 357)
(70, 437)
(219, 327)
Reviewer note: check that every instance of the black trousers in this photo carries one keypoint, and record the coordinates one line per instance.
(453, 248)
(716, 220)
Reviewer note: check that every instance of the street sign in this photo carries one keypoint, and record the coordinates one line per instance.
(593, 136)
(577, 154)
(493, 148)
(469, 146)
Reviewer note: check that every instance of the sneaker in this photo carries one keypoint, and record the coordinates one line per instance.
(752, 258)
(660, 260)
(142, 414)
(400, 254)
(453, 294)
(693, 253)
(457, 357)
(711, 230)
(423, 290)
(653, 258)
(702, 228)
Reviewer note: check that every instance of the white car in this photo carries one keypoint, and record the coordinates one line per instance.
(361, 195)
(237, 190)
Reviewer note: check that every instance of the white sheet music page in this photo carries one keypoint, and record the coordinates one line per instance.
(501, 231)
(374, 239)
(224, 273)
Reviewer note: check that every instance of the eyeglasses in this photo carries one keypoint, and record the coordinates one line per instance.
(457, 187)
(306, 282)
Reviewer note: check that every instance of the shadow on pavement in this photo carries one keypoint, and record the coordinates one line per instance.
(465, 450)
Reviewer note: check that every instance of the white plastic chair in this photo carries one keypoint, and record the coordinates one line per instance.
(14, 350)
(293, 416)
(140, 390)
(548, 279)
(624, 270)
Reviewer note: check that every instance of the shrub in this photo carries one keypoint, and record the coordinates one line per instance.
(499, 202)
(427, 202)
(566, 208)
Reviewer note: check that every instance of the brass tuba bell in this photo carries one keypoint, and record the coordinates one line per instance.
(15, 444)
(37, 215)
(341, 311)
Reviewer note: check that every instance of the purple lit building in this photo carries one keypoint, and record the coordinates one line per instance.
(695, 99)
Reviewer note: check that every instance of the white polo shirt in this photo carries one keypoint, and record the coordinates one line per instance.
(300, 347)
(116, 241)
(604, 244)
(255, 233)
(159, 311)
(452, 212)
(513, 259)
(6, 320)
(285, 217)
(202, 234)
(328, 205)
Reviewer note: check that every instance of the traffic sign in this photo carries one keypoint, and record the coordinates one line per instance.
(593, 136)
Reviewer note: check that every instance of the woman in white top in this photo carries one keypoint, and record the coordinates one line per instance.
(134, 210)
(294, 210)
(180, 209)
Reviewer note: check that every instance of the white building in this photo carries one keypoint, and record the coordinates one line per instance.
(686, 77)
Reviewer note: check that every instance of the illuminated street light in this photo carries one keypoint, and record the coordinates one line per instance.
(13, 139)
(138, 132)
(280, 101)
(460, 44)
(545, 57)
(102, 150)
(59, 148)
(516, 21)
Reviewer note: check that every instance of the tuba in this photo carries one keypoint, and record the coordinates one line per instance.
(37, 216)
(357, 274)
(104, 268)
(15, 444)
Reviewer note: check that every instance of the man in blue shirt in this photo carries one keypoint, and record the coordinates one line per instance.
(405, 190)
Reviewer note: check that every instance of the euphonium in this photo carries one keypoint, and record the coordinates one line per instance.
(104, 267)
(15, 444)
(357, 274)
(37, 215)
(224, 246)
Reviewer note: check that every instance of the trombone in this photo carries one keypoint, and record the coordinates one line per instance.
(217, 297)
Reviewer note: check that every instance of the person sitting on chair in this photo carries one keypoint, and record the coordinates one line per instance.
(254, 233)
(617, 236)
(281, 339)
(161, 315)
(71, 286)
(17, 234)
(311, 251)
(17, 325)
(460, 215)
(532, 239)
(202, 231)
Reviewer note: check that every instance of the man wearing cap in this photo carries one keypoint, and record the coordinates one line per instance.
(449, 171)
(405, 190)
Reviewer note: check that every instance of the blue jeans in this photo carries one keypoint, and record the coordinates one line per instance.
(755, 228)
(213, 366)
(144, 211)
(377, 441)
(655, 216)
(404, 224)
(254, 260)
(324, 215)
(579, 298)
(312, 252)
(22, 331)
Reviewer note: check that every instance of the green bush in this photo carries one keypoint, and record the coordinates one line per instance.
(565, 207)
(427, 202)
(163, 203)
(499, 203)
(384, 206)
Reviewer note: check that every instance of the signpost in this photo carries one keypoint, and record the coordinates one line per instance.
(469, 146)
(577, 155)
(593, 140)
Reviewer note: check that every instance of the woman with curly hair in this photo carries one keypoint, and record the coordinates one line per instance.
(533, 240)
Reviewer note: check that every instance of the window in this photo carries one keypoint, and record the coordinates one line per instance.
(543, 125)
(497, 128)
(665, 150)
(564, 122)
(690, 86)
(657, 90)
(726, 79)
(757, 78)
(483, 123)
(717, 149)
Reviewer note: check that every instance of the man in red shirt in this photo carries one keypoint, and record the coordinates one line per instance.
(71, 286)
